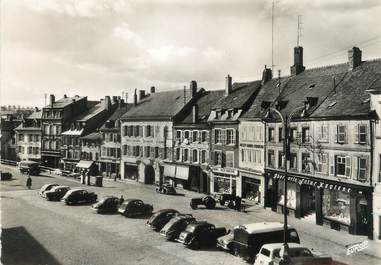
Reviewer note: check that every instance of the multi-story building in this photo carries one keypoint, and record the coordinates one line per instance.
(111, 148)
(147, 128)
(83, 124)
(28, 137)
(224, 120)
(329, 180)
(191, 152)
(55, 119)
(91, 148)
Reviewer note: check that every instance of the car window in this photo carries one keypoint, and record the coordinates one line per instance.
(276, 253)
(265, 252)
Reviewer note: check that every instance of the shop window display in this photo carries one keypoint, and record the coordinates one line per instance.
(222, 185)
(291, 194)
(336, 206)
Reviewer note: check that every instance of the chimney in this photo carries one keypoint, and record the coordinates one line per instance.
(267, 75)
(135, 98)
(35, 109)
(193, 88)
(228, 85)
(298, 67)
(52, 99)
(107, 103)
(142, 94)
(114, 99)
(65, 96)
(354, 58)
(152, 89)
(195, 113)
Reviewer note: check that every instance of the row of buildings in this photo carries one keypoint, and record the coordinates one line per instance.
(231, 140)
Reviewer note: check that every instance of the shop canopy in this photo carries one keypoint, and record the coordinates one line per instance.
(85, 164)
(176, 171)
(170, 171)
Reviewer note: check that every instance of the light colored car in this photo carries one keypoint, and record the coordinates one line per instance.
(45, 188)
(225, 242)
(270, 254)
(58, 172)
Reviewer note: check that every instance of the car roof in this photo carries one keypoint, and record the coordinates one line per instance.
(273, 246)
(75, 190)
(262, 227)
(200, 223)
(130, 200)
(60, 187)
(166, 210)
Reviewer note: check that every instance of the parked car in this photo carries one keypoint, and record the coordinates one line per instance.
(166, 188)
(76, 196)
(6, 175)
(108, 204)
(222, 198)
(31, 167)
(134, 208)
(225, 242)
(176, 225)
(201, 234)
(46, 188)
(271, 254)
(248, 239)
(56, 193)
(208, 201)
(161, 218)
(74, 175)
(58, 172)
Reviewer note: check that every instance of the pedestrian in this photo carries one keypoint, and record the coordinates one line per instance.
(115, 176)
(121, 200)
(238, 203)
(29, 182)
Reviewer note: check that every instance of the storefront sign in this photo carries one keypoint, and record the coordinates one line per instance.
(318, 184)
(225, 170)
(357, 247)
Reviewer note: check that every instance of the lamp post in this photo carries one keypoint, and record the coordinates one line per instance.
(286, 119)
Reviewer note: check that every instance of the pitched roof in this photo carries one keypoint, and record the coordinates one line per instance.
(240, 94)
(94, 136)
(94, 108)
(63, 102)
(36, 115)
(205, 102)
(120, 111)
(159, 105)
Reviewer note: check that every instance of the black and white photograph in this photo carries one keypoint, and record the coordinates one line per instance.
(190, 132)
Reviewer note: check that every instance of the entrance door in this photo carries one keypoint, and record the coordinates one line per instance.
(307, 202)
(149, 173)
(362, 216)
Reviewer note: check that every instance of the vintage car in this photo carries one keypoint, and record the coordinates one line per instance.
(225, 242)
(248, 239)
(161, 218)
(201, 234)
(208, 201)
(166, 188)
(46, 188)
(135, 208)
(56, 193)
(224, 198)
(271, 254)
(6, 175)
(108, 204)
(176, 225)
(29, 167)
(76, 196)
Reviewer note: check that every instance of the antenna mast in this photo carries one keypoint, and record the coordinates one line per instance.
(299, 32)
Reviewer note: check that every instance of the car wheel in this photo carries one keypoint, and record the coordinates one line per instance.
(195, 244)
(164, 191)
(235, 251)
(210, 204)
(47, 198)
(222, 202)
(193, 206)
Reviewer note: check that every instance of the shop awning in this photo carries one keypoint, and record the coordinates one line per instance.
(84, 164)
(170, 171)
(182, 172)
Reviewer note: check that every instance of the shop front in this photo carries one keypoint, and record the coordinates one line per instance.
(130, 171)
(224, 180)
(252, 188)
(336, 204)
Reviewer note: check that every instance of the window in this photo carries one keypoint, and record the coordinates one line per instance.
(293, 134)
(280, 134)
(343, 166)
(147, 151)
(243, 155)
(186, 135)
(185, 155)
(362, 169)
(306, 162)
(204, 136)
(178, 154)
(195, 136)
(195, 156)
(305, 135)
(335, 205)
(178, 135)
(322, 163)
(21, 137)
(203, 156)
(218, 136)
(148, 131)
(229, 159)
(218, 158)
(361, 136)
(271, 158)
(280, 160)
(341, 134)
(156, 152)
(271, 135)
(293, 161)
(230, 137)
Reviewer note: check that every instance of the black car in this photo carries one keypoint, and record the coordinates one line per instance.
(134, 208)
(201, 234)
(56, 193)
(161, 218)
(76, 196)
(176, 225)
(108, 204)
(208, 201)
(166, 188)
(222, 198)
(5, 175)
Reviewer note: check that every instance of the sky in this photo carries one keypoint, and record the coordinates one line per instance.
(108, 47)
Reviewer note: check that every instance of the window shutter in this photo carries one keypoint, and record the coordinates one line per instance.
(161, 151)
(355, 168)
(213, 137)
(235, 136)
(213, 157)
(223, 136)
(332, 164)
(141, 151)
(348, 166)
(190, 155)
(207, 136)
(190, 136)
(152, 152)
(346, 134)
(152, 131)
(357, 136)
(367, 169)
(141, 131)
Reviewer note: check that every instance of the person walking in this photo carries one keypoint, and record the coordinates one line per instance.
(121, 200)
(238, 201)
(29, 182)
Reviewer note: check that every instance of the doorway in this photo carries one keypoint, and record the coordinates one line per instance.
(149, 173)
(362, 216)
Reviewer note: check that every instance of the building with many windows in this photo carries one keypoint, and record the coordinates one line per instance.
(28, 137)
(224, 121)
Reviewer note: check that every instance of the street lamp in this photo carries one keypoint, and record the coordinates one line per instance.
(285, 122)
